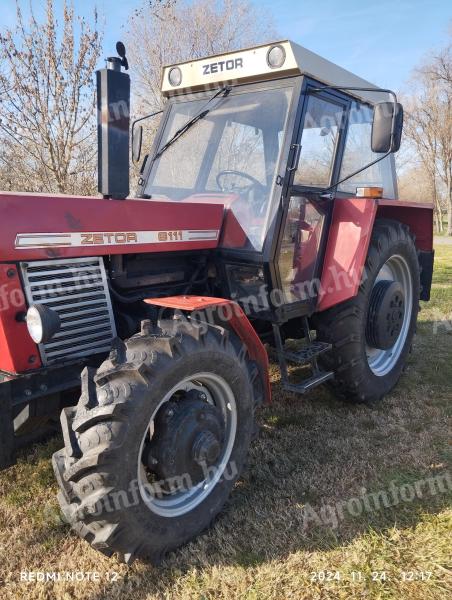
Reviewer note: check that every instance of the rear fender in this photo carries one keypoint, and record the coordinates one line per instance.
(228, 314)
(348, 242)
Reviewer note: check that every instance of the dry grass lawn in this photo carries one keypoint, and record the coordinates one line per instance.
(312, 451)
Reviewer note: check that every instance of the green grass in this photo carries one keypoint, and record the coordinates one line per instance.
(313, 451)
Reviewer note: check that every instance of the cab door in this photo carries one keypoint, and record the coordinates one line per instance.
(314, 166)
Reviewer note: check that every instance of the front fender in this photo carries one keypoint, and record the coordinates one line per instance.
(229, 314)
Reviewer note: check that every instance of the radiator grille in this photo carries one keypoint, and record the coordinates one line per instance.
(77, 290)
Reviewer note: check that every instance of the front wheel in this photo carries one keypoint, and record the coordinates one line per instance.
(157, 440)
(371, 334)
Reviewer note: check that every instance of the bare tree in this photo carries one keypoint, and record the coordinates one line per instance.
(163, 32)
(429, 126)
(47, 109)
(439, 73)
(420, 129)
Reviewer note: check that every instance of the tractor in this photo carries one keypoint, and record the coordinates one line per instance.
(265, 220)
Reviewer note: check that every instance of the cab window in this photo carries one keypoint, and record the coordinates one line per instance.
(358, 152)
(229, 155)
(241, 148)
(319, 140)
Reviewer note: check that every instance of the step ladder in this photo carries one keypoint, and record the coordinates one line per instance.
(306, 356)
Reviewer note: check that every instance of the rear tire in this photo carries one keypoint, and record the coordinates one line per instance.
(364, 373)
(100, 469)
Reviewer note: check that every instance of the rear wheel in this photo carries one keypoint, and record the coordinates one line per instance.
(371, 334)
(157, 440)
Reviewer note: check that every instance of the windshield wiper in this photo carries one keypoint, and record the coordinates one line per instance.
(189, 124)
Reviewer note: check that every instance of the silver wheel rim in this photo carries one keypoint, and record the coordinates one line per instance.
(381, 362)
(218, 393)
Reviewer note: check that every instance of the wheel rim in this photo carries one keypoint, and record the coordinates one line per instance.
(395, 269)
(217, 395)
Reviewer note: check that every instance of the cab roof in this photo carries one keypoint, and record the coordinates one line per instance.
(252, 64)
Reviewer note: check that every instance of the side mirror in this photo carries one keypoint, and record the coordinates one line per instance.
(137, 142)
(384, 137)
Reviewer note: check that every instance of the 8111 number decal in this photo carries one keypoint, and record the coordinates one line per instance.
(170, 236)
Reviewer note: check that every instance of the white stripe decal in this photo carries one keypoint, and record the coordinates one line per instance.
(112, 238)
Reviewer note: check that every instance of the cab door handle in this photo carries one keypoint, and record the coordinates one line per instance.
(296, 157)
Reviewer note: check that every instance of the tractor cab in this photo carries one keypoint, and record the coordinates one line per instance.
(257, 132)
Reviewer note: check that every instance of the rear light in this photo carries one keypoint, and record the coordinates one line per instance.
(369, 192)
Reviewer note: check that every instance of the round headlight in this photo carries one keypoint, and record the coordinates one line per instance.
(276, 57)
(175, 76)
(42, 323)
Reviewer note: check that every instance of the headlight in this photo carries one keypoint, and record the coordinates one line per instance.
(276, 57)
(175, 76)
(42, 323)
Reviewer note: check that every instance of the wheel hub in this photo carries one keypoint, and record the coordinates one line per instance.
(189, 438)
(386, 314)
(206, 448)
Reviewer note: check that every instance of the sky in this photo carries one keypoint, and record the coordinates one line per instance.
(380, 40)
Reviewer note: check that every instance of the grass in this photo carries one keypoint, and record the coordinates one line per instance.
(313, 451)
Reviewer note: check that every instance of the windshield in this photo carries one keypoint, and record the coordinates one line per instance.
(229, 156)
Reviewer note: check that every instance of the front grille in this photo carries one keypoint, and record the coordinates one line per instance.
(77, 290)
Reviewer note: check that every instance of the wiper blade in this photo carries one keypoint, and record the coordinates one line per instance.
(189, 124)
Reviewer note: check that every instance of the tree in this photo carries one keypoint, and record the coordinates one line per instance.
(421, 130)
(164, 32)
(439, 72)
(48, 105)
(428, 126)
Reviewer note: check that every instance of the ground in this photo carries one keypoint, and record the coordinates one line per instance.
(293, 527)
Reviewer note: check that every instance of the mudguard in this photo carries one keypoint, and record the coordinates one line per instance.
(227, 313)
(349, 237)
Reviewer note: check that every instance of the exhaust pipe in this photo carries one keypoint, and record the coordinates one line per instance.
(113, 121)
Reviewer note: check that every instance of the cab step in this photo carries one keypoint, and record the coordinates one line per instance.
(309, 384)
(306, 356)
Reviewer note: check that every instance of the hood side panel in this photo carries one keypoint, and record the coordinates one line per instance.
(36, 227)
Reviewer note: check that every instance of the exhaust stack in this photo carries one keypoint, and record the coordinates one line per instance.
(113, 120)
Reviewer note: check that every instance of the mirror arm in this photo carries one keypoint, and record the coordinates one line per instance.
(371, 164)
(154, 114)
(361, 89)
(146, 117)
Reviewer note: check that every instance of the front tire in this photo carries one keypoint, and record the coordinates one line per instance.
(157, 440)
(371, 334)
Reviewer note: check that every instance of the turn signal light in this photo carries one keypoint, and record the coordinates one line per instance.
(369, 192)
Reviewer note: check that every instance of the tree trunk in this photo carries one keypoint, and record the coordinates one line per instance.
(438, 218)
(449, 217)
(437, 204)
(449, 205)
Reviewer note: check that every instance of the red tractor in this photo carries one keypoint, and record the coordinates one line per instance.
(266, 211)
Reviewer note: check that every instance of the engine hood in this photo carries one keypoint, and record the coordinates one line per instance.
(39, 226)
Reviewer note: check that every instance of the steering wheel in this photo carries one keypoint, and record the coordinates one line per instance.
(253, 181)
(254, 201)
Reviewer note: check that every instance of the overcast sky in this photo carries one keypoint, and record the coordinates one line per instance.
(379, 40)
